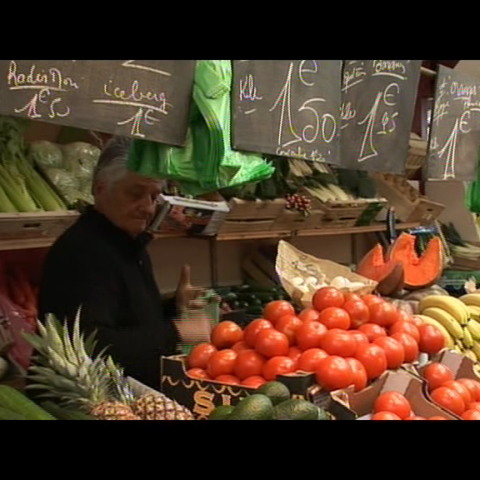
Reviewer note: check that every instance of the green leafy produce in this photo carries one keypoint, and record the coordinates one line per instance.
(46, 154)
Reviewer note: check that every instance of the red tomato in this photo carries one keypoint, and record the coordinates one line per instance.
(240, 346)
(436, 375)
(309, 315)
(294, 353)
(359, 336)
(200, 355)
(394, 351)
(437, 417)
(432, 339)
(393, 402)
(352, 296)
(403, 326)
(385, 416)
(474, 406)
(271, 343)
(461, 389)
(309, 359)
(310, 334)
(198, 373)
(415, 417)
(409, 345)
(334, 373)
(333, 317)
(449, 399)
(403, 315)
(253, 328)
(358, 312)
(383, 314)
(278, 366)
(226, 334)
(473, 386)
(221, 363)
(249, 363)
(360, 378)
(372, 331)
(327, 297)
(417, 321)
(228, 379)
(471, 415)
(370, 301)
(254, 382)
(288, 325)
(339, 342)
(277, 309)
(373, 358)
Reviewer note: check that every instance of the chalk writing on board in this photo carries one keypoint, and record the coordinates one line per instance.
(148, 103)
(48, 86)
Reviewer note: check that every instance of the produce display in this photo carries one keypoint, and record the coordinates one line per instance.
(22, 188)
(457, 245)
(461, 396)
(66, 374)
(344, 339)
(69, 167)
(272, 401)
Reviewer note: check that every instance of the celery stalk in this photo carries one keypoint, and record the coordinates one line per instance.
(6, 206)
(16, 190)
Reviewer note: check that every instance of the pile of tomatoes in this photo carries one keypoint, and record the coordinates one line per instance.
(395, 406)
(461, 397)
(344, 339)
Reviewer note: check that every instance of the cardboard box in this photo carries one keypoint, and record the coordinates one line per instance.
(411, 386)
(202, 396)
(195, 217)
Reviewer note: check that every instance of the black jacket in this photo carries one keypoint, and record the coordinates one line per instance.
(98, 266)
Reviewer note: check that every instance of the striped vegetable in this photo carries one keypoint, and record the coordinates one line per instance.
(6, 414)
(64, 413)
(13, 400)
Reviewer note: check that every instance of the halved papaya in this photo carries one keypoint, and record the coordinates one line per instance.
(388, 274)
(420, 272)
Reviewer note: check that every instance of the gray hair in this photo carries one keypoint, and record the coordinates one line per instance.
(112, 164)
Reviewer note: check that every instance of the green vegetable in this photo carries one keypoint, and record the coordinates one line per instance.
(277, 392)
(6, 414)
(6, 206)
(221, 413)
(296, 410)
(254, 407)
(14, 401)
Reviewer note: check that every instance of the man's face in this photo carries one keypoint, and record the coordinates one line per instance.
(129, 203)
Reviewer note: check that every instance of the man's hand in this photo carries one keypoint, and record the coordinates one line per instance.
(196, 327)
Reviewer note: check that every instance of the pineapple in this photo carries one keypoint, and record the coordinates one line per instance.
(159, 407)
(67, 373)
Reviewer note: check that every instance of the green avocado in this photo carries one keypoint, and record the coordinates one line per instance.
(221, 413)
(296, 410)
(254, 407)
(277, 392)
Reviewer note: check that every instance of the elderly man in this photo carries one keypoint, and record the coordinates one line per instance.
(101, 264)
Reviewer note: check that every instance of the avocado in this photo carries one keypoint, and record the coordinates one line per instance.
(277, 392)
(296, 410)
(221, 413)
(254, 407)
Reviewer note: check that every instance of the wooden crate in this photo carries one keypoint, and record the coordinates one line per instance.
(255, 210)
(245, 226)
(24, 226)
(408, 209)
(295, 221)
(342, 213)
(417, 154)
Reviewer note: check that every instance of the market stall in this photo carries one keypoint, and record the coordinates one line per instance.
(295, 152)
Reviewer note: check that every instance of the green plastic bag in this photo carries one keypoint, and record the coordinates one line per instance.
(207, 162)
(472, 196)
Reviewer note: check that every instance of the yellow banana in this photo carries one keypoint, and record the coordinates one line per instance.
(452, 326)
(472, 299)
(474, 311)
(439, 326)
(467, 338)
(474, 329)
(470, 354)
(476, 350)
(453, 306)
(458, 349)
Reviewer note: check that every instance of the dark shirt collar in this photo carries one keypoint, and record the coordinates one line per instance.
(123, 239)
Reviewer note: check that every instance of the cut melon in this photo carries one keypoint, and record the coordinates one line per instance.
(388, 274)
(420, 272)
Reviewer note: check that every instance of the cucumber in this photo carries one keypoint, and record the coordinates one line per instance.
(230, 297)
(234, 305)
(265, 297)
(244, 305)
(14, 401)
(6, 414)
(64, 413)
(246, 297)
(255, 310)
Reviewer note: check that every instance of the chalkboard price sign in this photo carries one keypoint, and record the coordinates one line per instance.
(455, 127)
(288, 108)
(147, 99)
(378, 102)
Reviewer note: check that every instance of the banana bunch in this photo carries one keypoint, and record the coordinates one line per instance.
(457, 319)
(467, 251)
